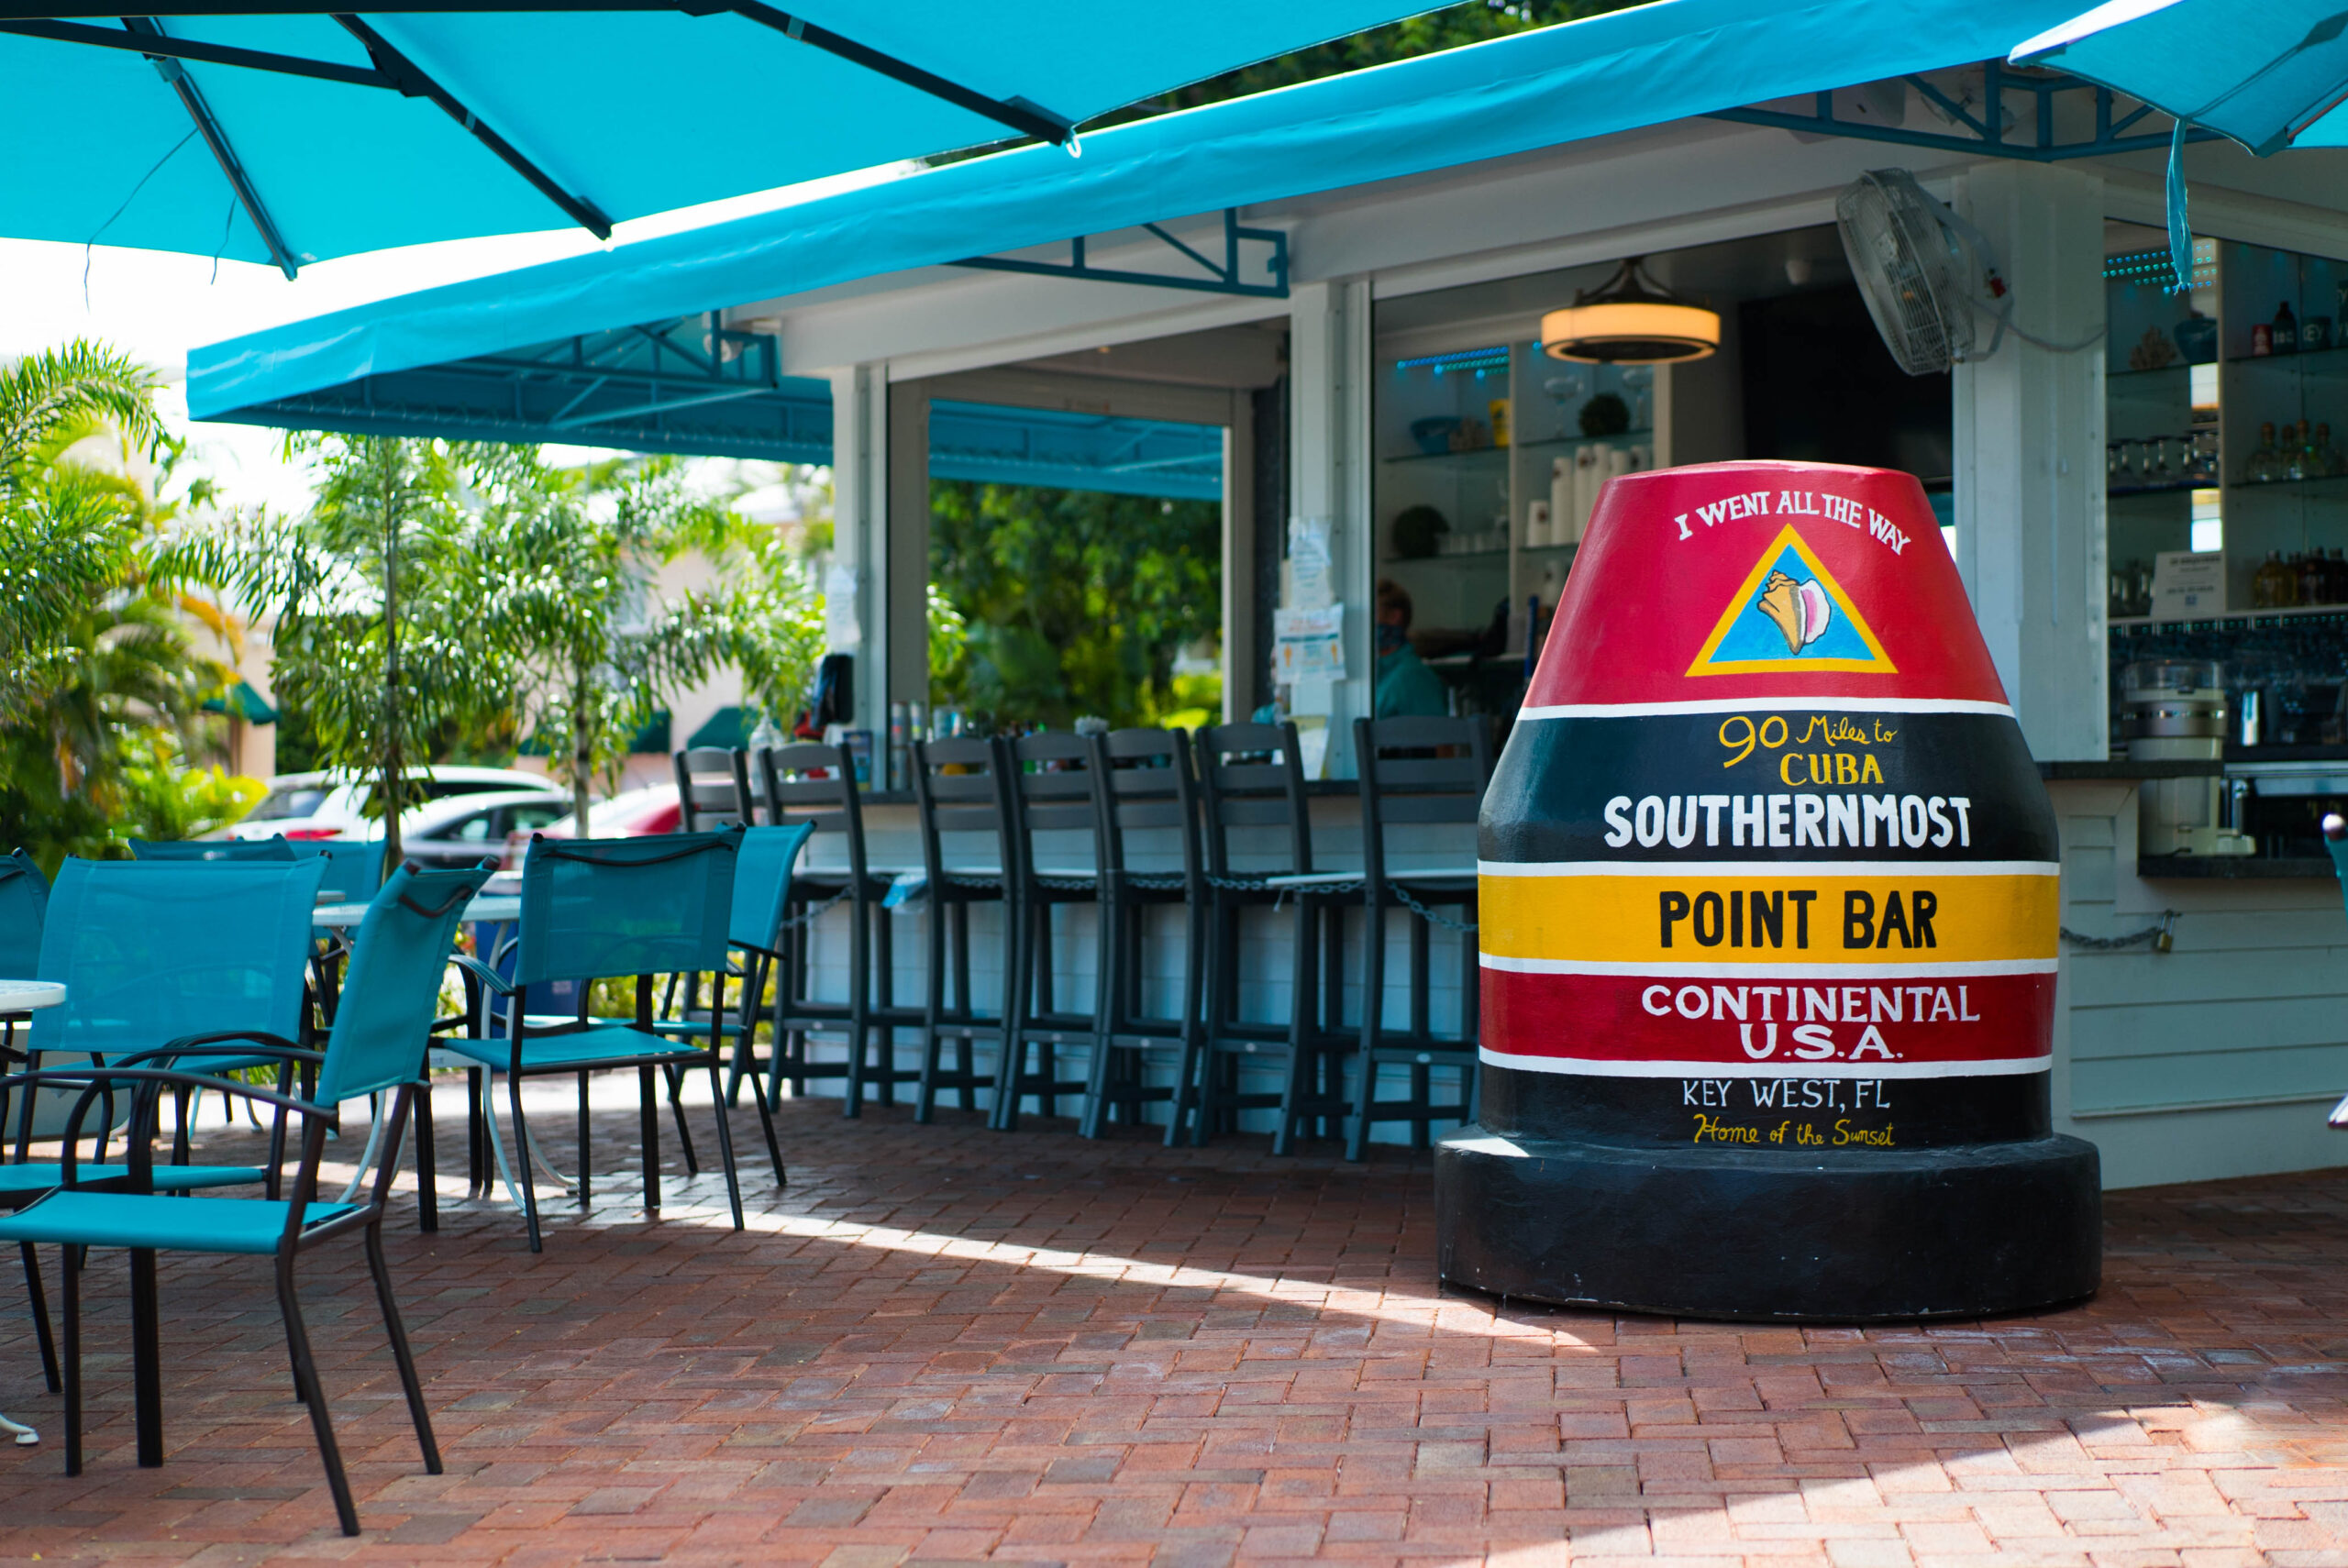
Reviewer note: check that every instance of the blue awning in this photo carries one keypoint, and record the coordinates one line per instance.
(1634, 68)
(2269, 76)
(301, 135)
(997, 445)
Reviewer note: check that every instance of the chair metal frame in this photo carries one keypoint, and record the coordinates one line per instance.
(832, 805)
(1057, 786)
(508, 1052)
(1252, 776)
(1151, 785)
(1443, 781)
(961, 785)
(82, 1211)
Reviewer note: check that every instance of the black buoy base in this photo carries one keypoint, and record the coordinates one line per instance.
(1959, 1231)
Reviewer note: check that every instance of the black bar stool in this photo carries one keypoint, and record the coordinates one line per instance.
(713, 792)
(816, 785)
(1056, 789)
(1251, 784)
(1416, 772)
(714, 788)
(1151, 789)
(962, 787)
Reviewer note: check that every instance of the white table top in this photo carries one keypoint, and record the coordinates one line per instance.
(24, 996)
(486, 908)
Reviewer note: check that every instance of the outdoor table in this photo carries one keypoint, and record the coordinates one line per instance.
(19, 997)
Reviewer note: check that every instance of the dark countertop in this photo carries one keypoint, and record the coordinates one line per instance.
(2230, 867)
(1314, 789)
(2191, 768)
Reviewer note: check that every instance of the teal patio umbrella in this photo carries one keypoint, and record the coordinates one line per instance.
(2268, 76)
(268, 130)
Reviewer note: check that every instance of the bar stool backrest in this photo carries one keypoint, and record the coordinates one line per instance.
(714, 788)
(1055, 788)
(961, 786)
(787, 782)
(1151, 785)
(1253, 776)
(1419, 770)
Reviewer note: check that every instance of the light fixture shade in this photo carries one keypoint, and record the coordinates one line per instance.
(1630, 320)
(1632, 332)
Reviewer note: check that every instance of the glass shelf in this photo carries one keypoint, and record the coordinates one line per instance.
(2122, 491)
(1473, 455)
(2175, 368)
(2334, 357)
(2286, 484)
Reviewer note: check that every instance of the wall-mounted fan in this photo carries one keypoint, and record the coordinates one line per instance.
(1925, 272)
(1928, 276)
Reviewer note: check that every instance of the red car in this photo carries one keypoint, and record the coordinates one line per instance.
(635, 814)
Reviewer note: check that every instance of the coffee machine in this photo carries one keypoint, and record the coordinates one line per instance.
(2173, 709)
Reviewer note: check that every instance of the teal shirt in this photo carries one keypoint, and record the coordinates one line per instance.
(1406, 686)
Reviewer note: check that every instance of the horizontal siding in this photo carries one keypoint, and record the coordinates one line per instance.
(2251, 1004)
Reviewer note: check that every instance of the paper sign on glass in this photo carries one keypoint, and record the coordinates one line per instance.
(1308, 645)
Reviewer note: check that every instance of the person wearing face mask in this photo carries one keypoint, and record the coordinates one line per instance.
(1405, 684)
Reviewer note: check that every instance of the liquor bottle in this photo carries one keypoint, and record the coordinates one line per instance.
(2295, 451)
(2267, 582)
(2312, 584)
(2286, 329)
(2265, 463)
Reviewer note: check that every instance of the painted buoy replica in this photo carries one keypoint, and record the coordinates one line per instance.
(1768, 923)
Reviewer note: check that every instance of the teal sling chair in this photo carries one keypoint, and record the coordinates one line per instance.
(598, 908)
(376, 1047)
(24, 899)
(763, 869)
(148, 953)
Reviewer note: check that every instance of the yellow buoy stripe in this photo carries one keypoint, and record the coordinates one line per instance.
(1890, 921)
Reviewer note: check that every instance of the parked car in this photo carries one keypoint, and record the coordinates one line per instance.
(331, 805)
(632, 813)
(463, 829)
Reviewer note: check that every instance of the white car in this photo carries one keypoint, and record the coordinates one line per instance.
(464, 830)
(330, 805)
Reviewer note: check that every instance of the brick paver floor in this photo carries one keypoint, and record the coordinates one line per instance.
(946, 1345)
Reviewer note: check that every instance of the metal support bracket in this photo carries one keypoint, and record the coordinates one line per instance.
(1989, 136)
(224, 153)
(1223, 277)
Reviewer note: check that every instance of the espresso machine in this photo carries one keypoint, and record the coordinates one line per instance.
(2173, 709)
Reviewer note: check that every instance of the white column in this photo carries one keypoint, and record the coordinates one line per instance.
(1241, 656)
(1329, 476)
(2029, 456)
(859, 538)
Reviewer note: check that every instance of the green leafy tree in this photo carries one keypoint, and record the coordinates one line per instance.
(67, 534)
(1451, 28)
(775, 626)
(1075, 601)
(568, 591)
(380, 638)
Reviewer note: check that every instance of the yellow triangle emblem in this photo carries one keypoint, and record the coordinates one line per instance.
(1790, 614)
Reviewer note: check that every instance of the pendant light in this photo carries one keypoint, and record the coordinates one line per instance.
(1629, 319)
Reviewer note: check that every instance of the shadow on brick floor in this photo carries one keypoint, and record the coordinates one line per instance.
(946, 1345)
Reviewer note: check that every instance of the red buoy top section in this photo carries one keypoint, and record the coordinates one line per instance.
(1727, 582)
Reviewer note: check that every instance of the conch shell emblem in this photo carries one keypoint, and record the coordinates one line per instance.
(1800, 610)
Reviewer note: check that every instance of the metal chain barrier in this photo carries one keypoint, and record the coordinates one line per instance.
(2158, 935)
(808, 915)
(1402, 896)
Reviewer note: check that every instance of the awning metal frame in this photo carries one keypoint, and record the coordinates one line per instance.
(395, 72)
(1989, 136)
(1223, 277)
(727, 366)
